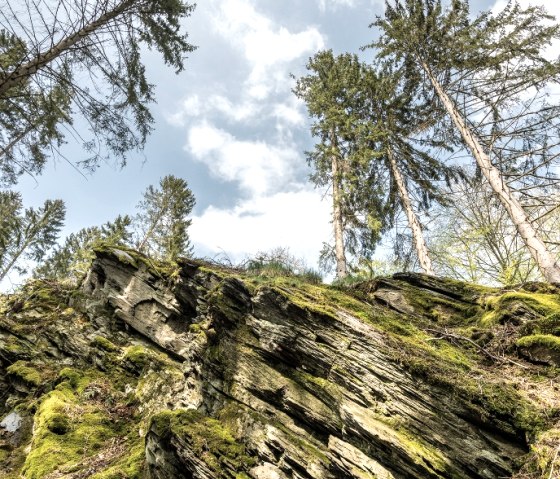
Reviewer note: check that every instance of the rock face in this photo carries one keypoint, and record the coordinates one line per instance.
(204, 373)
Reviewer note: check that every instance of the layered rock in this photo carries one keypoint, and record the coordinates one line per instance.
(199, 372)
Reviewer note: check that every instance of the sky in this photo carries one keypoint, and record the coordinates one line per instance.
(230, 125)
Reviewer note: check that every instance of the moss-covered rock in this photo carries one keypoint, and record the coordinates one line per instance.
(544, 348)
(190, 370)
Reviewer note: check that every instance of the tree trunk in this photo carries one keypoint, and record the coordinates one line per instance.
(30, 236)
(27, 69)
(418, 236)
(543, 257)
(341, 267)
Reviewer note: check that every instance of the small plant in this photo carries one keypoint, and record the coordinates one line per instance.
(279, 262)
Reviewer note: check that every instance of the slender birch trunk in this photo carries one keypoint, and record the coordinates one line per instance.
(341, 267)
(544, 259)
(19, 75)
(413, 222)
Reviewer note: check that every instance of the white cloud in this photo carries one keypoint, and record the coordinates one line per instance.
(325, 4)
(297, 220)
(259, 168)
(267, 48)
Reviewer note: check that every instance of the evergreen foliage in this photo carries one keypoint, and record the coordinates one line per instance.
(72, 259)
(26, 235)
(81, 57)
(479, 72)
(162, 221)
(331, 92)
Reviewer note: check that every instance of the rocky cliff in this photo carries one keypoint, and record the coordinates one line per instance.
(193, 371)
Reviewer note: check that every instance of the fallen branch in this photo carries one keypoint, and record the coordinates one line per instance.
(447, 335)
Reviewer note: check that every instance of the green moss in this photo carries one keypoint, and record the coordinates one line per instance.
(501, 307)
(546, 340)
(72, 376)
(138, 359)
(130, 466)
(423, 453)
(210, 439)
(105, 344)
(65, 432)
(27, 374)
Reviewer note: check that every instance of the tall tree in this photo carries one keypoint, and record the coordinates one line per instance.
(477, 67)
(398, 135)
(162, 221)
(64, 57)
(330, 92)
(71, 260)
(26, 235)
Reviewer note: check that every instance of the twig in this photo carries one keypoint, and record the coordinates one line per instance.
(445, 334)
(550, 476)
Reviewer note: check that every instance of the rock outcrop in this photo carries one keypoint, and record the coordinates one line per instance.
(149, 371)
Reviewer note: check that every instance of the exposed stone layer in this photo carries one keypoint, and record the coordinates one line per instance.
(202, 373)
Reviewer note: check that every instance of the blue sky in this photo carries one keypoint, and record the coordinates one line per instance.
(231, 127)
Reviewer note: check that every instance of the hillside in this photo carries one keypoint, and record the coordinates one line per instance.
(195, 371)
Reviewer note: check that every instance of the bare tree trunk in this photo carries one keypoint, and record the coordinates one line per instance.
(418, 236)
(341, 267)
(19, 75)
(544, 259)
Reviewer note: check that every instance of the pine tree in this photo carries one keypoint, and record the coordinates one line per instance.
(480, 67)
(71, 260)
(397, 139)
(26, 235)
(162, 221)
(87, 61)
(330, 92)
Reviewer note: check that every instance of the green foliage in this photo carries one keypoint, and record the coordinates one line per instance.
(42, 57)
(331, 92)
(489, 73)
(162, 222)
(71, 260)
(26, 235)
(278, 263)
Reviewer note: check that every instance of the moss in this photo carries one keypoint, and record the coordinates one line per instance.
(65, 432)
(138, 359)
(27, 374)
(166, 270)
(513, 304)
(130, 466)
(210, 439)
(58, 423)
(105, 344)
(545, 340)
(544, 457)
(423, 453)
(72, 376)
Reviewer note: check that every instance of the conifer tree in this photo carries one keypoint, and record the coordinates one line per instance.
(162, 221)
(69, 57)
(72, 259)
(476, 68)
(330, 92)
(26, 235)
(396, 138)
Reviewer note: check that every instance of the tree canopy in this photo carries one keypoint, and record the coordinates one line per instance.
(68, 59)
